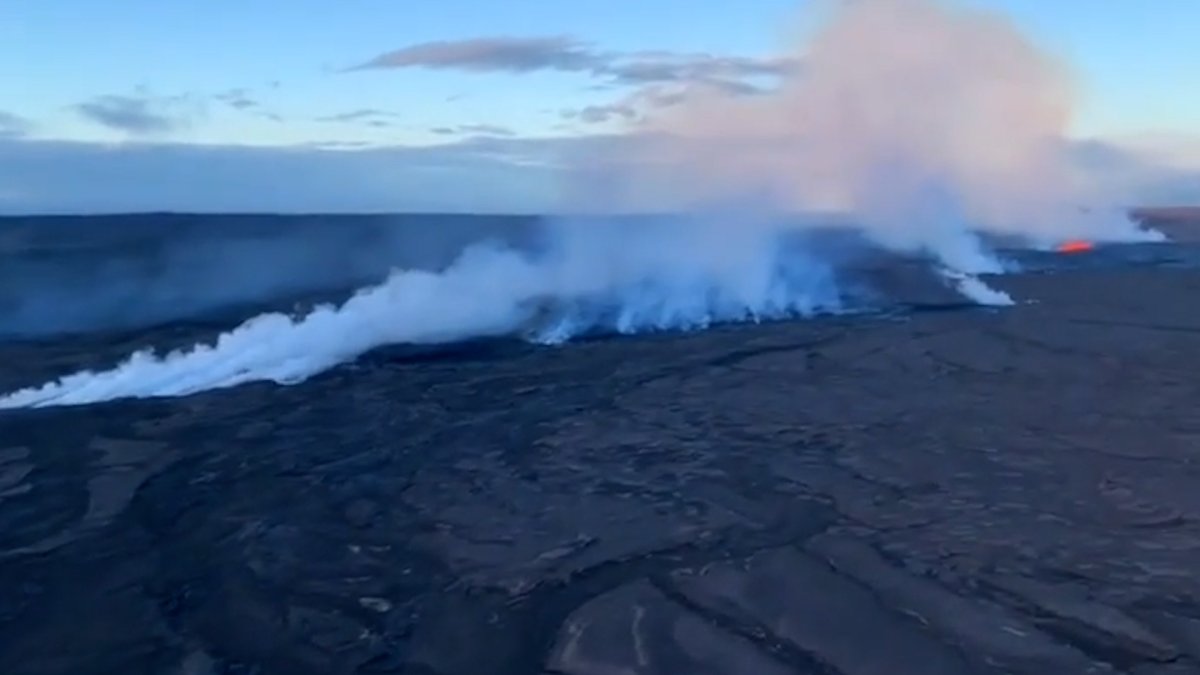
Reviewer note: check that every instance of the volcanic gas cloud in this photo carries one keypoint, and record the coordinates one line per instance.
(923, 123)
(923, 120)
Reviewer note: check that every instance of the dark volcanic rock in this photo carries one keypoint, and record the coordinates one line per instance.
(820, 614)
(1068, 609)
(973, 625)
(360, 512)
(925, 491)
(635, 629)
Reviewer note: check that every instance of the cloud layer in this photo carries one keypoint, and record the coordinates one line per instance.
(141, 114)
(563, 54)
(514, 55)
(238, 99)
(478, 174)
(368, 116)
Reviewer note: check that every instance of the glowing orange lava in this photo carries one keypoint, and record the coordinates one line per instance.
(1075, 246)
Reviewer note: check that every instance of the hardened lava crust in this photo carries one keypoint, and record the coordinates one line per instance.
(913, 492)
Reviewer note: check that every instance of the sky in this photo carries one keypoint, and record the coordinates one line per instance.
(448, 105)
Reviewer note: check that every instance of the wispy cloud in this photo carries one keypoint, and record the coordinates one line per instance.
(651, 79)
(240, 99)
(665, 67)
(141, 114)
(598, 114)
(492, 54)
(631, 107)
(244, 101)
(523, 55)
(474, 130)
(371, 117)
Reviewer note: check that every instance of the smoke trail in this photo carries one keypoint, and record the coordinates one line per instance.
(650, 277)
(79, 275)
(926, 124)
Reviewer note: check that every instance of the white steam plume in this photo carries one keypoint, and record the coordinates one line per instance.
(654, 277)
(925, 123)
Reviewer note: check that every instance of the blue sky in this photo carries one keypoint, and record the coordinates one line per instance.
(288, 54)
(273, 73)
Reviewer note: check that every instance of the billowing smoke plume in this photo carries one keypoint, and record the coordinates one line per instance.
(590, 278)
(68, 275)
(925, 121)
(925, 124)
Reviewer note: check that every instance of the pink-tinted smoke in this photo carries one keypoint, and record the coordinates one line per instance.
(924, 120)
